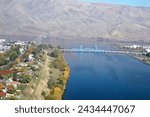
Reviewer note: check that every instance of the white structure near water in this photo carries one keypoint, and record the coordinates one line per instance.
(147, 50)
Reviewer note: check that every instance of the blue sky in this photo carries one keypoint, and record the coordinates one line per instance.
(145, 3)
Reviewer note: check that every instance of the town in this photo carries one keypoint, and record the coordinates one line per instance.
(145, 58)
(23, 65)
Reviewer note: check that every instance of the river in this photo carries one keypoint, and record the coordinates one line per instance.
(99, 76)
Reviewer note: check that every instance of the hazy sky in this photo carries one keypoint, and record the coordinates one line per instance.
(145, 3)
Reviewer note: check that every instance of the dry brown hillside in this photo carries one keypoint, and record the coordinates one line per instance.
(74, 19)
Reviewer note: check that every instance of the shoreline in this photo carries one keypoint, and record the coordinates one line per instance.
(139, 58)
(57, 84)
(67, 78)
(135, 57)
(66, 75)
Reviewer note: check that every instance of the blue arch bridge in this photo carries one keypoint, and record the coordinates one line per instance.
(96, 50)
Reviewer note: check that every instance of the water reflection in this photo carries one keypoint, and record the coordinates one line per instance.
(106, 76)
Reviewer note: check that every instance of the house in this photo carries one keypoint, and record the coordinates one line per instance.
(19, 43)
(10, 80)
(2, 41)
(135, 46)
(29, 72)
(21, 50)
(22, 65)
(14, 83)
(5, 90)
(147, 50)
(2, 81)
(19, 73)
(145, 47)
(35, 66)
(3, 48)
(2, 94)
(31, 57)
(9, 95)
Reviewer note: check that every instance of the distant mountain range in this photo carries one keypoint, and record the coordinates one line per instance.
(73, 19)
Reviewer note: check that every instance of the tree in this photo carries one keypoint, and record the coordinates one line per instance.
(50, 97)
(15, 48)
(13, 55)
(57, 93)
(43, 94)
(1, 76)
(59, 63)
(50, 83)
(10, 89)
(1, 86)
(26, 55)
(2, 59)
(55, 53)
(30, 50)
(21, 87)
(61, 81)
(25, 79)
(18, 60)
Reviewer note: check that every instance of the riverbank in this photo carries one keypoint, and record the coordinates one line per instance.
(58, 80)
(142, 58)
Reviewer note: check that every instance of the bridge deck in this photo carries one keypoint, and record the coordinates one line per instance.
(87, 50)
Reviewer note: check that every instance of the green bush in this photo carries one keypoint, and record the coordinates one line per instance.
(55, 53)
(50, 83)
(50, 97)
(43, 94)
(59, 63)
(24, 79)
(21, 87)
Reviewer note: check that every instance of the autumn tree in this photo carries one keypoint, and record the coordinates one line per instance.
(1, 86)
(18, 60)
(57, 93)
(10, 89)
(31, 49)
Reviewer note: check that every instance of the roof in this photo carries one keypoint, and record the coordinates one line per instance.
(147, 50)
(3, 72)
(2, 93)
(14, 83)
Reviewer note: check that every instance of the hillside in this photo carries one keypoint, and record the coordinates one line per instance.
(74, 19)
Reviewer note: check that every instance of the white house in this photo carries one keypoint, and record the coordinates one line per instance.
(135, 46)
(147, 50)
(21, 50)
(3, 48)
(5, 90)
(31, 57)
(2, 40)
(22, 65)
(13, 83)
(20, 43)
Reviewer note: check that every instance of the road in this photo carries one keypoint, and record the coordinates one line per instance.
(45, 76)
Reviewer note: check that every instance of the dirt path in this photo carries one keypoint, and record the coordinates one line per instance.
(43, 82)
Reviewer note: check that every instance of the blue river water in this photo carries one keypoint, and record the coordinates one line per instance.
(97, 76)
